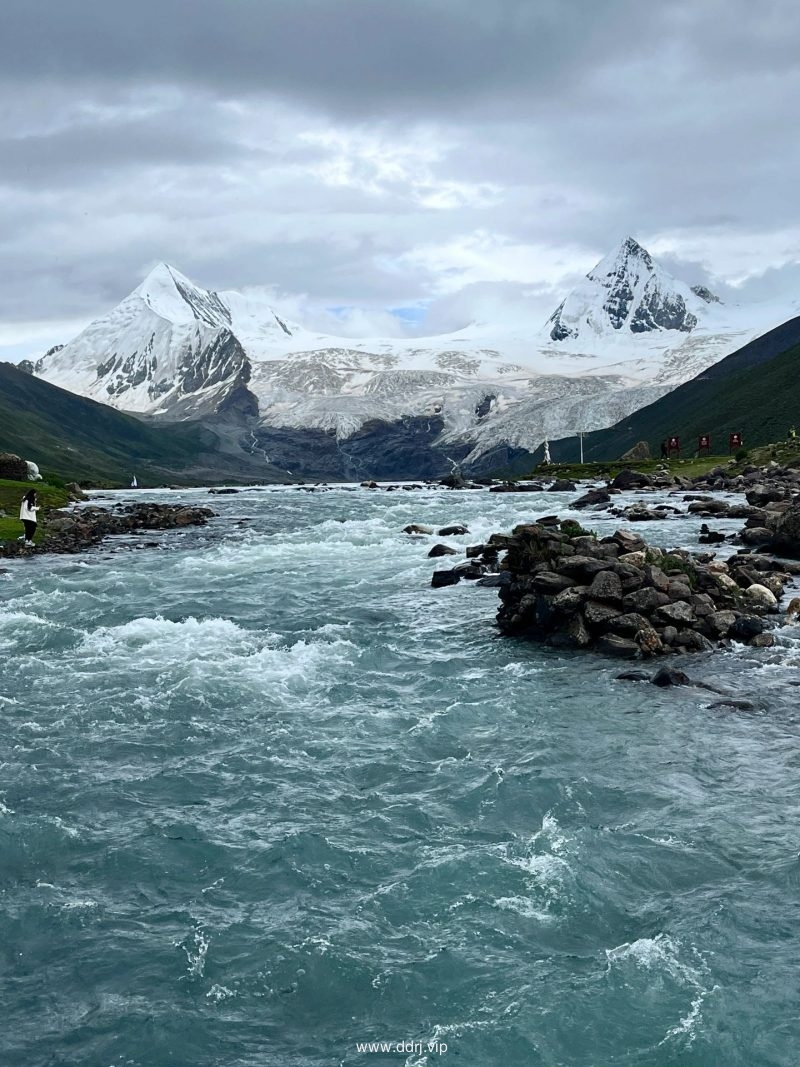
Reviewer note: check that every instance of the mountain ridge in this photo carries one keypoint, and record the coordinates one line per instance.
(631, 332)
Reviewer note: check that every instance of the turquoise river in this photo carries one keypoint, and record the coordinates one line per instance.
(266, 798)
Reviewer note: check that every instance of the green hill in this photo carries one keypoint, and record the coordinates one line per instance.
(755, 392)
(75, 438)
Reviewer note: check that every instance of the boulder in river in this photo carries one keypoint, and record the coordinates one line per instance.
(442, 578)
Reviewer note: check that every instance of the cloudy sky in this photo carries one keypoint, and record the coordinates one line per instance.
(391, 165)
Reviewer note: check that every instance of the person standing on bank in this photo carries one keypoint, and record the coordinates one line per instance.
(27, 512)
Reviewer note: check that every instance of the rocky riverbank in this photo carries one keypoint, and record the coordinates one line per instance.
(68, 532)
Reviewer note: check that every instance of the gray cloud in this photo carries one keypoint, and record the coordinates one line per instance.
(429, 153)
(358, 55)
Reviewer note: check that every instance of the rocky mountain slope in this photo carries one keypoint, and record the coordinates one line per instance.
(480, 396)
(754, 391)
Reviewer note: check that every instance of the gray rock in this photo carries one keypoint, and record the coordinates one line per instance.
(627, 625)
(721, 622)
(679, 588)
(600, 615)
(453, 531)
(621, 647)
(570, 600)
(441, 550)
(470, 570)
(593, 498)
(551, 583)
(668, 676)
(606, 585)
(495, 581)
(644, 600)
(638, 454)
(628, 542)
(581, 566)
(628, 479)
(656, 577)
(746, 627)
(679, 613)
(631, 577)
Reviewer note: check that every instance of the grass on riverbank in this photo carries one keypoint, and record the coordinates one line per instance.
(11, 494)
(689, 468)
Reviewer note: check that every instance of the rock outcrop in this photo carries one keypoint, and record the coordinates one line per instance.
(637, 454)
(12, 467)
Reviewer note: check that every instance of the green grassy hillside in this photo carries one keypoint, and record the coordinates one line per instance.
(75, 438)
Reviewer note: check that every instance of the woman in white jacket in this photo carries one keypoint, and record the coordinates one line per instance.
(27, 512)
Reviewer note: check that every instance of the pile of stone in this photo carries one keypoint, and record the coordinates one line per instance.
(616, 594)
(67, 532)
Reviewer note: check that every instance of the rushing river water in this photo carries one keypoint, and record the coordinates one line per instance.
(265, 795)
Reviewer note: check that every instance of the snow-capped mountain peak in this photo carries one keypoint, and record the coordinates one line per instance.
(626, 291)
(172, 296)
